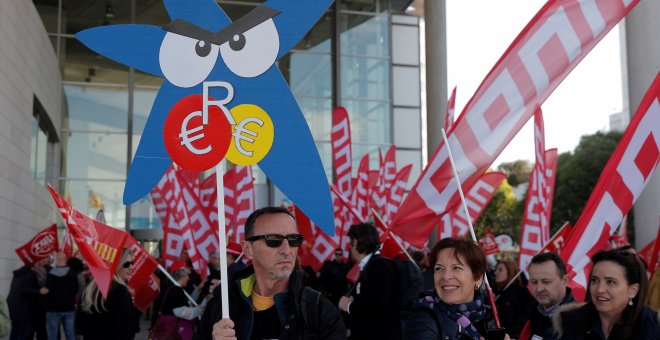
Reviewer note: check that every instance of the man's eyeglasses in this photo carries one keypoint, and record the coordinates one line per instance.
(127, 264)
(275, 240)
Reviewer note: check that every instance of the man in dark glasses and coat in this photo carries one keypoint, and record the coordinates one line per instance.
(268, 300)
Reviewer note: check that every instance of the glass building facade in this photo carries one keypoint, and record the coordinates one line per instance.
(346, 59)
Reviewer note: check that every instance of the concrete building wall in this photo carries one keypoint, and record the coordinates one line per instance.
(643, 59)
(28, 71)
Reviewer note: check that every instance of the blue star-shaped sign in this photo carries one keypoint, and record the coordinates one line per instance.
(222, 95)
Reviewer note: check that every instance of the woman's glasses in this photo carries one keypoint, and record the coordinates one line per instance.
(275, 240)
(127, 264)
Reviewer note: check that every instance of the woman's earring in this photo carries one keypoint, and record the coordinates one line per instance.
(630, 302)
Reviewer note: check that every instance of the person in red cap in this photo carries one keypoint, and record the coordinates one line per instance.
(267, 300)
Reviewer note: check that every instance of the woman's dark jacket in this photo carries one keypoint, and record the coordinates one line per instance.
(429, 322)
(119, 321)
(513, 309)
(580, 321)
(289, 308)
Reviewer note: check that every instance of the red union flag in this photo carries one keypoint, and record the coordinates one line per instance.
(40, 246)
(454, 223)
(386, 178)
(147, 293)
(395, 193)
(244, 201)
(342, 155)
(535, 230)
(624, 177)
(202, 230)
(449, 117)
(543, 54)
(556, 243)
(360, 199)
(488, 243)
(101, 246)
(319, 247)
(143, 264)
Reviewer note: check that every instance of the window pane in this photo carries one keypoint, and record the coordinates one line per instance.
(97, 108)
(308, 74)
(89, 197)
(318, 114)
(365, 78)
(143, 214)
(364, 35)
(370, 121)
(95, 155)
(42, 148)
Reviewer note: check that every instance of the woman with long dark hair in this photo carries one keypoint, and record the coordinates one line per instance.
(616, 305)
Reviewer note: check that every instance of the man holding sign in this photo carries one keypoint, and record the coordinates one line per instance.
(268, 300)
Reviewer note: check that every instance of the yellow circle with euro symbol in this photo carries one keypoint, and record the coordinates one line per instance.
(252, 135)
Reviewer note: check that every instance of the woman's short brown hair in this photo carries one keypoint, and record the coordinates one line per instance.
(468, 250)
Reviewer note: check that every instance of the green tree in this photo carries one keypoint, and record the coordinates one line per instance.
(518, 172)
(503, 214)
(577, 174)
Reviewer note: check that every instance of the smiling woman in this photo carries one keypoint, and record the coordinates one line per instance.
(455, 308)
(615, 307)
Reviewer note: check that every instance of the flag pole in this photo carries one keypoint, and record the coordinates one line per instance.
(489, 290)
(544, 246)
(390, 234)
(224, 284)
(176, 284)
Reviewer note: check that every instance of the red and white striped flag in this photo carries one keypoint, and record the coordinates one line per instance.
(449, 117)
(342, 155)
(395, 193)
(624, 177)
(543, 54)
(455, 222)
(535, 229)
(361, 191)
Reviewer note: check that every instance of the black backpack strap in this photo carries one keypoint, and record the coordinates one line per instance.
(310, 311)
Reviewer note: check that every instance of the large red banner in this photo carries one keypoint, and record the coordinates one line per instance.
(535, 229)
(40, 246)
(543, 54)
(455, 223)
(101, 246)
(342, 155)
(624, 177)
(360, 199)
(395, 193)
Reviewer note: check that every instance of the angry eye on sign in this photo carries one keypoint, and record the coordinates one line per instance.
(252, 53)
(185, 61)
(249, 47)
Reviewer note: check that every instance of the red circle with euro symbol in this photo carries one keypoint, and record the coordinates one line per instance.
(192, 144)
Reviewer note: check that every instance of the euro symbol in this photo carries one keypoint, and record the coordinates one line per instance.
(186, 139)
(238, 134)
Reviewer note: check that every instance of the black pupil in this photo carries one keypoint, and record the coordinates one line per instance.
(203, 48)
(237, 42)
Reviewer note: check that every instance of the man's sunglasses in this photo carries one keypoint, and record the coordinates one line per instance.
(275, 240)
(127, 264)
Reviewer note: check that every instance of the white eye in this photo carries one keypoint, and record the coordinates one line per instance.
(252, 53)
(186, 62)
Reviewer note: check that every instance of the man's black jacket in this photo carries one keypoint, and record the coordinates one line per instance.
(289, 308)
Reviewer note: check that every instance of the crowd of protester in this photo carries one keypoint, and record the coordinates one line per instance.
(440, 294)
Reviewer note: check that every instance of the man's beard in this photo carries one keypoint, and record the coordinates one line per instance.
(282, 274)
